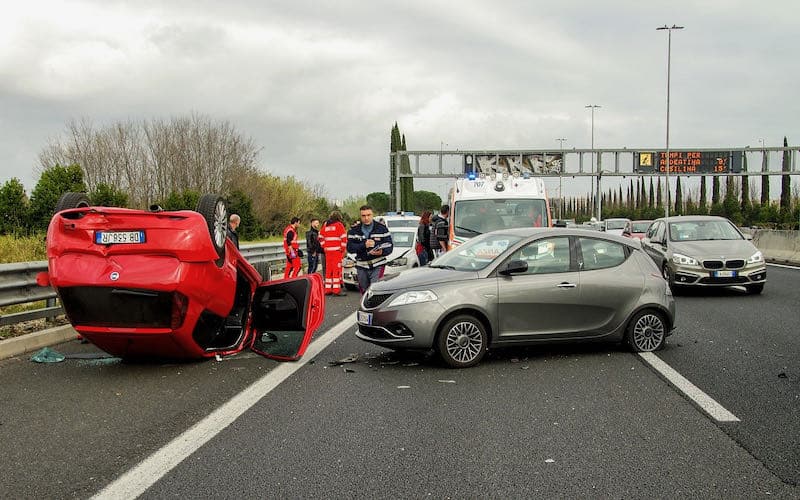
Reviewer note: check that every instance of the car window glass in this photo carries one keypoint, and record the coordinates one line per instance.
(477, 253)
(701, 230)
(402, 239)
(548, 255)
(600, 254)
(659, 232)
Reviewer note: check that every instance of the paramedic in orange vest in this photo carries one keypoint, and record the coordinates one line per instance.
(333, 237)
(294, 256)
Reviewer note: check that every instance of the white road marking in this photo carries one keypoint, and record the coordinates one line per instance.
(134, 482)
(714, 409)
(783, 266)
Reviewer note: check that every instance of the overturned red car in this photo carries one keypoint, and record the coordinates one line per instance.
(170, 284)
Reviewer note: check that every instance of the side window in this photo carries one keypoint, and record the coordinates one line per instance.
(659, 231)
(600, 254)
(547, 255)
(651, 231)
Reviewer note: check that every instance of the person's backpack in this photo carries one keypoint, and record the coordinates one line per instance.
(433, 240)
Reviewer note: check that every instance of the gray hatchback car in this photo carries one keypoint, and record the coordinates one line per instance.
(521, 287)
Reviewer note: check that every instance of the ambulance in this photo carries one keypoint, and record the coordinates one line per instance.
(480, 203)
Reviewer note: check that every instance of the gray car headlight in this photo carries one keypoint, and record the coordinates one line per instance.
(413, 297)
(756, 258)
(401, 261)
(684, 260)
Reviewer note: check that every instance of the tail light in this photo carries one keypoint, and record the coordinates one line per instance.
(179, 305)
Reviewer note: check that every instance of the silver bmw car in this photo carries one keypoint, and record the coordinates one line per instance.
(705, 251)
(520, 287)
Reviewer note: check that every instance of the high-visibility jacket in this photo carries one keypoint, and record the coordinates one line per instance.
(290, 240)
(333, 236)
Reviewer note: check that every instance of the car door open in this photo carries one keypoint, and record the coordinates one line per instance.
(285, 315)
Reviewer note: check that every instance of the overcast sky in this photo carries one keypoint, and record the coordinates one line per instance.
(318, 85)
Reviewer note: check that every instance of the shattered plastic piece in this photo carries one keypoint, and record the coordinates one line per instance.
(782, 375)
(549, 461)
(524, 367)
(448, 381)
(47, 355)
(515, 360)
(404, 387)
(349, 359)
(218, 357)
(411, 364)
(349, 370)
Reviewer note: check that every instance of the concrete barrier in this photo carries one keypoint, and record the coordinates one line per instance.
(34, 341)
(778, 246)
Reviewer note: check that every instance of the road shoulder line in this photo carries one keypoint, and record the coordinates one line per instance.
(703, 400)
(137, 480)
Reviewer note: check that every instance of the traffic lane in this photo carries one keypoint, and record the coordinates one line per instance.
(565, 421)
(70, 428)
(743, 351)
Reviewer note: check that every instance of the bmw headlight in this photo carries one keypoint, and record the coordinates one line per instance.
(684, 260)
(402, 261)
(756, 258)
(413, 297)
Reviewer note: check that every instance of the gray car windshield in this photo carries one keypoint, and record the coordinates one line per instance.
(477, 253)
(703, 230)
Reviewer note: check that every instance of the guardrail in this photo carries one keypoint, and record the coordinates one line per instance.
(18, 282)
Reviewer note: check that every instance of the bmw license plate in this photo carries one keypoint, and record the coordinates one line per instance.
(364, 318)
(724, 274)
(114, 237)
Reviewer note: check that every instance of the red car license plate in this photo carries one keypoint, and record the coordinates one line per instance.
(114, 237)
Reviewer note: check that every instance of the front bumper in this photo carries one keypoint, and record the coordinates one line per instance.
(724, 276)
(410, 326)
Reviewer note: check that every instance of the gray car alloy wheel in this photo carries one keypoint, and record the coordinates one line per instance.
(462, 342)
(647, 332)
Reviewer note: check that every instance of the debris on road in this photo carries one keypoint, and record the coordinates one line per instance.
(349, 359)
(47, 355)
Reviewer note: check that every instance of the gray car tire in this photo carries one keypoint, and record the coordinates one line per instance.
(647, 331)
(462, 341)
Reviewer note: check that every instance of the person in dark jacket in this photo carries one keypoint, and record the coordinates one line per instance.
(233, 223)
(440, 232)
(313, 246)
(424, 238)
(371, 241)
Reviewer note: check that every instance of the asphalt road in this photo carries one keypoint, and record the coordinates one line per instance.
(567, 421)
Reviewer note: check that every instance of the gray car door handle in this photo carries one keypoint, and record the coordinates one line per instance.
(566, 285)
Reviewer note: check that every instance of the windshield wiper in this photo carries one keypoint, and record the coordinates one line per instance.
(438, 266)
(468, 229)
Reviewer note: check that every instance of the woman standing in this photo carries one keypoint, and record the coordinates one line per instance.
(424, 251)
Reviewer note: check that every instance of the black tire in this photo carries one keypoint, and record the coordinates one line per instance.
(755, 289)
(647, 331)
(667, 275)
(213, 209)
(462, 341)
(72, 200)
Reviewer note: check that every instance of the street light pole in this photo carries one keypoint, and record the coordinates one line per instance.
(592, 107)
(669, 63)
(560, 179)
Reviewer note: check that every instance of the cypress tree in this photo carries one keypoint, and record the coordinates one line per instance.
(652, 199)
(394, 145)
(406, 183)
(678, 196)
(764, 181)
(703, 208)
(786, 184)
(659, 196)
(714, 190)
